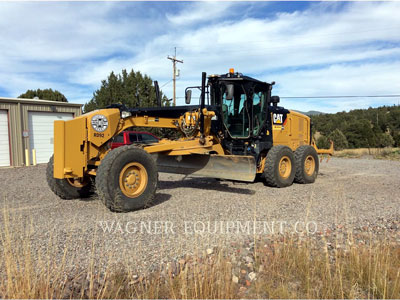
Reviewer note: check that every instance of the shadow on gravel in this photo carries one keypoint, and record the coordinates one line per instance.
(92, 197)
(160, 198)
(203, 184)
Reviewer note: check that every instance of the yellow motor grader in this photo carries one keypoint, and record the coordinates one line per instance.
(236, 132)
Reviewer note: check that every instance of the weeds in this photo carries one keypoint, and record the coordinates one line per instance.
(286, 269)
(379, 153)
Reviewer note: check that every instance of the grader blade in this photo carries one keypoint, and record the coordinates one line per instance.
(232, 167)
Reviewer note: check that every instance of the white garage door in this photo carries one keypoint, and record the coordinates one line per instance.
(41, 131)
(4, 139)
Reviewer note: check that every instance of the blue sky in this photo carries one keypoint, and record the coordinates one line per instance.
(308, 48)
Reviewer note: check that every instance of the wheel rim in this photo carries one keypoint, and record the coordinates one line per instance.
(285, 167)
(133, 179)
(309, 165)
(78, 182)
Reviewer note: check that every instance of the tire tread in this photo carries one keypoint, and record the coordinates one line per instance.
(104, 190)
(299, 155)
(269, 171)
(62, 188)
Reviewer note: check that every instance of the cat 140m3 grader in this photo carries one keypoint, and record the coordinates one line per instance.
(237, 132)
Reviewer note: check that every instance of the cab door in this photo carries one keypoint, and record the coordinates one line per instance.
(235, 112)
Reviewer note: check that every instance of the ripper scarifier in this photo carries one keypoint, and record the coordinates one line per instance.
(237, 132)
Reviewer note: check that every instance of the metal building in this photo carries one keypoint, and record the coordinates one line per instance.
(27, 124)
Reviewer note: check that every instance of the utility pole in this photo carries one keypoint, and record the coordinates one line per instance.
(174, 61)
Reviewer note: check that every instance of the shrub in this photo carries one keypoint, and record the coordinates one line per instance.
(339, 139)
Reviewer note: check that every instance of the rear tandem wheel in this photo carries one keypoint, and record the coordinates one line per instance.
(307, 164)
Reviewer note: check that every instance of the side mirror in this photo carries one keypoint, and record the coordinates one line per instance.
(188, 96)
(275, 100)
(230, 89)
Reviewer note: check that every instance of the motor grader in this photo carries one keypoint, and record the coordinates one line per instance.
(236, 132)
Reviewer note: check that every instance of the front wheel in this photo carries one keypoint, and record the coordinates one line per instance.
(127, 179)
(68, 188)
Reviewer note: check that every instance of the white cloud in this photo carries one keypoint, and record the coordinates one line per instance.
(366, 79)
(58, 31)
(202, 12)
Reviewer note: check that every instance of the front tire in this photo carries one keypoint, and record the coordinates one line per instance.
(68, 188)
(127, 179)
(307, 164)
(279, 168)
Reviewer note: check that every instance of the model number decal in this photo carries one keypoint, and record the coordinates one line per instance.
(96, 134)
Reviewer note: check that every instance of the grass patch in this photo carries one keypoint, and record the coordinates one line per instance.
(378, 153)
(286, 270)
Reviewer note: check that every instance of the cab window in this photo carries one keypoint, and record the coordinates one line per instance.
(259, 114)
(235, 112)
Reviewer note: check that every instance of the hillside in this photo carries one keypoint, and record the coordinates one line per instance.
(359, 128)
(310, 112)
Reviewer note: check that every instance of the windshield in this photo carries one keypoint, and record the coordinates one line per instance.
(235, 112)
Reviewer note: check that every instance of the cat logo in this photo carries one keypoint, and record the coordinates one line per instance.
(277, 118)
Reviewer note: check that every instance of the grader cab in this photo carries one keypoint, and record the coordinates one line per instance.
(236, 132)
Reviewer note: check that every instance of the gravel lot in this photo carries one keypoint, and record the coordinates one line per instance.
(353, 193)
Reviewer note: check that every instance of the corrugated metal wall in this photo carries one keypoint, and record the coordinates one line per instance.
(16, 145)
(18, 122)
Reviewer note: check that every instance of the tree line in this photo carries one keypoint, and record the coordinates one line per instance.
(359, 128)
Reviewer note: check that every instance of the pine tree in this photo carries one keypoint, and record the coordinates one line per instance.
(132, 89)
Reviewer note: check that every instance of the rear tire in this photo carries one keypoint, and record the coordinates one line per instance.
(127, 179)
(71, 188)
(307, 164)
(279, 168)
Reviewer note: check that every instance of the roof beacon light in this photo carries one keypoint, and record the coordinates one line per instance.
(231, 70)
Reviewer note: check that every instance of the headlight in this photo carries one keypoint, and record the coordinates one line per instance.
(125, 114)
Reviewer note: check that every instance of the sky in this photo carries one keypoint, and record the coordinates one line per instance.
(309, 49)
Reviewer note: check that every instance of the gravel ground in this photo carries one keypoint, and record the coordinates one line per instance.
(356, 194)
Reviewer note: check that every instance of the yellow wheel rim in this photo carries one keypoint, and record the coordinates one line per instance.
(309, 165)
(133, 179)
(285, 167)
(78, 182)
